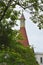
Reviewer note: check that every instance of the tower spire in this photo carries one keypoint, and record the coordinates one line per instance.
(23, 31)
(22, 20)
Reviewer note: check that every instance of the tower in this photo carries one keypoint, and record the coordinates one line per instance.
(23, 31)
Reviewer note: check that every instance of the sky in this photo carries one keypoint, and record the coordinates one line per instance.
(35, 36)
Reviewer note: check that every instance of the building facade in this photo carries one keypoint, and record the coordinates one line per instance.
(39, 58)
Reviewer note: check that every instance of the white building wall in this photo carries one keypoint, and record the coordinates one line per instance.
(38, 56)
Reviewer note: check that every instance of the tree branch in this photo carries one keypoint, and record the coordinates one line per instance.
(5, 9)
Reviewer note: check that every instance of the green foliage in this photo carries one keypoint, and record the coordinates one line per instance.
(7, 10)
(17, 54)
(2, 4)
(11, 51)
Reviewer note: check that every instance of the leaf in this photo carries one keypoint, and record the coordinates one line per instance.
(13, 5)
(2, 4)
(7, 15)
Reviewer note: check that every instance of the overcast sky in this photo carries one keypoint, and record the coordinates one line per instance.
(35, 36)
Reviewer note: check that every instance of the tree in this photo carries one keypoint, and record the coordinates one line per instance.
(11, 52)
(17, 54)
(7, 11)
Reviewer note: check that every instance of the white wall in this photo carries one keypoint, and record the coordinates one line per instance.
(38, 56)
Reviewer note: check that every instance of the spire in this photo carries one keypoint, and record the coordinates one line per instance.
(22, 20)
(23, 31)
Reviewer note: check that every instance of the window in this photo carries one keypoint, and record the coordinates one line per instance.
(40, 59)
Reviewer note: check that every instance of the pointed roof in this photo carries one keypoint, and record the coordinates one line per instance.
(23, 31)
(24, 41)
(22, 17)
